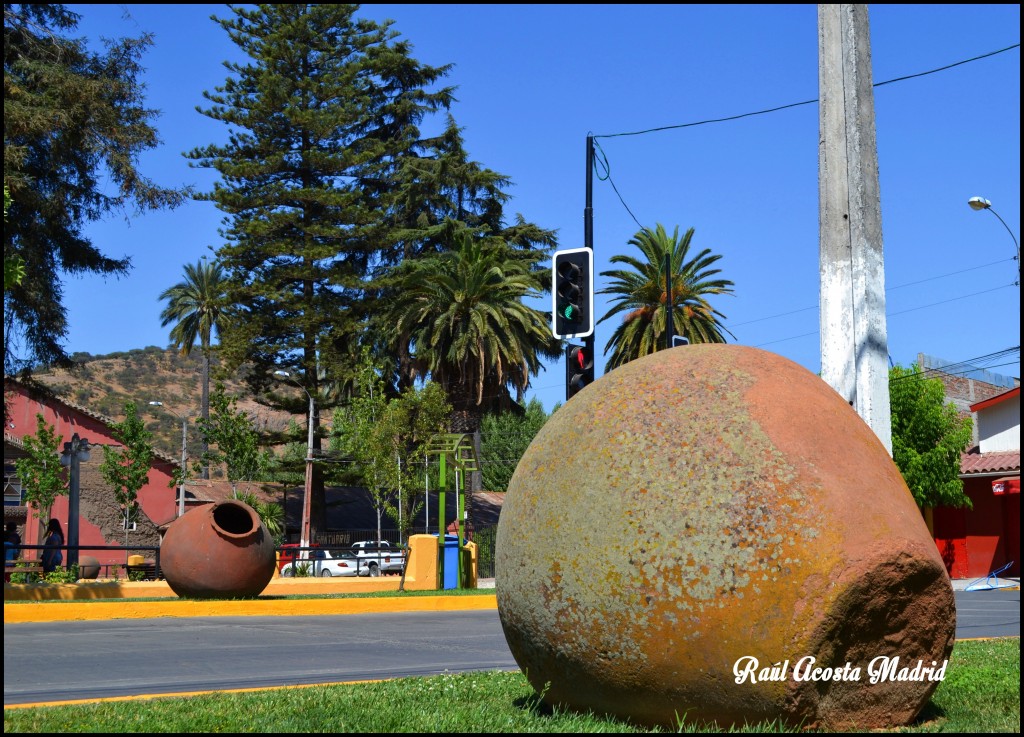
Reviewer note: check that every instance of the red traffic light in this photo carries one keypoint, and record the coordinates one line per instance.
(579, 369)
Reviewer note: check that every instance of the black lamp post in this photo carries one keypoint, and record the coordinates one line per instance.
(74, 453)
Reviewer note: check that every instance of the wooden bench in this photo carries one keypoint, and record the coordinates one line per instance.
(11, 569)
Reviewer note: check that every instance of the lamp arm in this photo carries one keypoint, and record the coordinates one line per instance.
(1007, 230)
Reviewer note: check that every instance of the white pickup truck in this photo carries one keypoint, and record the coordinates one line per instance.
(377, 557)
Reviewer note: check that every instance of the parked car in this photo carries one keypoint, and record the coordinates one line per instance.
(378, 556)
(289, 552)
(325, 563)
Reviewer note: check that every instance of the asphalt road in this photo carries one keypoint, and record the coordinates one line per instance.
(61, 661)
(987, 614)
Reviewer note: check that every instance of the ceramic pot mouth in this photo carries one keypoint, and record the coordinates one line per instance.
(235, 519)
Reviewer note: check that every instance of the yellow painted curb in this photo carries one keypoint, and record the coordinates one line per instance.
(98, 610)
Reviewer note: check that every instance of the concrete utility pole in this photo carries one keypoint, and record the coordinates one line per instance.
(854, 346)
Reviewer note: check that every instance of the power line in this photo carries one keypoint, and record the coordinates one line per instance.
(951, 299)
(889, 314)
(971, 363)
(603, 160)
(964, 372)
(607, 166)
(805, 102)
(887, 289)
(952, 273)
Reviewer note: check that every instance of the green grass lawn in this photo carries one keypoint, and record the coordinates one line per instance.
(980, 694)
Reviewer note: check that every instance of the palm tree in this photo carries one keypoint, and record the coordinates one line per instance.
(468, 327)
(639, 291)
(197, 306)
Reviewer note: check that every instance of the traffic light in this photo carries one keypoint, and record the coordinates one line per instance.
(579, 369)
(572, 293)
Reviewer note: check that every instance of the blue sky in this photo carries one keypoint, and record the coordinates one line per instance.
(534, 80)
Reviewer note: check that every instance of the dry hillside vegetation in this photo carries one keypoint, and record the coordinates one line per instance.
(104, 384)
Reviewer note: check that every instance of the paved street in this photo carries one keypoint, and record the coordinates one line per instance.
(169, 655)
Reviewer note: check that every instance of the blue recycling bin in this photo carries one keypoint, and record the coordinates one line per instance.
(448, 556)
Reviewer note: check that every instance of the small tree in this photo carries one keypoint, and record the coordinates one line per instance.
(928, 437)
(42, 476)
(387, 439)
(409, 423)
(236, 441)
(354, 428)
(126, 469)
(506, 437)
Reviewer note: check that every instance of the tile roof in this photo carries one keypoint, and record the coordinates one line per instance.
(974, 461)
(81, 409)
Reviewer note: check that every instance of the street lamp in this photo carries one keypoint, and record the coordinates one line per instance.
(980, 203)
(74, 452)
(308, 491)
(184, 425)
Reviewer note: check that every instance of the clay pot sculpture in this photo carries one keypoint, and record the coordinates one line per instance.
(218, 551)
(712, 531)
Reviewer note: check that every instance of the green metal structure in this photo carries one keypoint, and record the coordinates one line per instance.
(455, 450)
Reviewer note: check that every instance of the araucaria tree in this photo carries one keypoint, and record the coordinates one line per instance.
(928, 436)
(126, 469)
(75, 125)
(322, 114)
(639, 292)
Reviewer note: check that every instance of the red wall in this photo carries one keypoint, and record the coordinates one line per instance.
(156, 498)
(976, 542)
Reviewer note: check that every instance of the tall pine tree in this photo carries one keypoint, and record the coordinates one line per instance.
(74, 127)
(322, 115)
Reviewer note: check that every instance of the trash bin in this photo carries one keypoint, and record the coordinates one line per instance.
(448, 558)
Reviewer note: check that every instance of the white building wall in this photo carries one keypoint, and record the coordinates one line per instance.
(999, 426)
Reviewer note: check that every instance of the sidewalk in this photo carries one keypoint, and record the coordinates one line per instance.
(985, 584)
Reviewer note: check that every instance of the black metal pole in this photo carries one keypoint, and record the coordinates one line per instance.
(73, 501)
(588, 236)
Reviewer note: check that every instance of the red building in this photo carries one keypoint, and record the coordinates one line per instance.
(101, 520)
(976, 542)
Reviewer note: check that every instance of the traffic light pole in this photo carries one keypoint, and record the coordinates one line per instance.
(588, 234)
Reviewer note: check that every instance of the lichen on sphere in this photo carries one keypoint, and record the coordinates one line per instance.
(710, 503)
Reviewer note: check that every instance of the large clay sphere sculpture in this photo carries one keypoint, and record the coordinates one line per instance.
(218, 551)
(714, 512)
